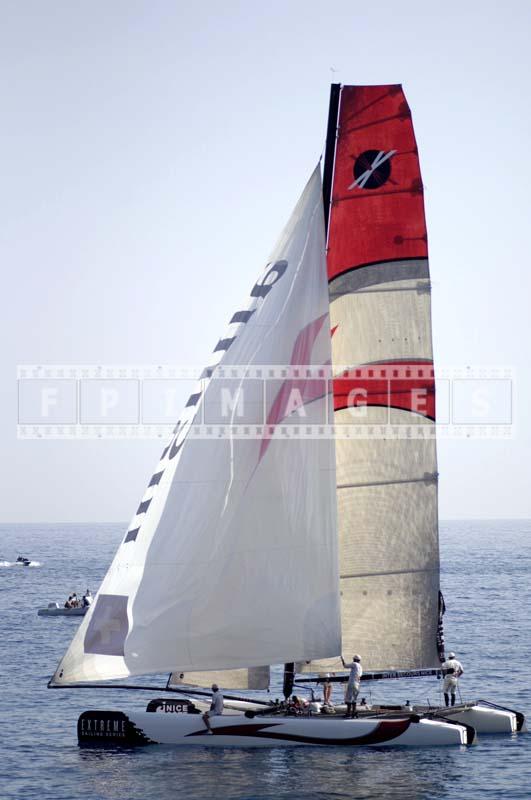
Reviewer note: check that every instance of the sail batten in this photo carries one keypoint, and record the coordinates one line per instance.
(389, 572)
(393, 482)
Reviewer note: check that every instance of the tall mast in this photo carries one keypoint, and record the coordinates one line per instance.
(330, 149)
(328, 173)
(289, 678)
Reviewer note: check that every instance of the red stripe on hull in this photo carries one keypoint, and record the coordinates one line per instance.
(385, 731)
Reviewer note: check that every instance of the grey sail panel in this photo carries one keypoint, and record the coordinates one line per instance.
(389, 564)
(252, 678)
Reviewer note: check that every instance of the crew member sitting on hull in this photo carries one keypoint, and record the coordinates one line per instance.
(353, 685)
(216, 707)
(452, 670)
(87, 598)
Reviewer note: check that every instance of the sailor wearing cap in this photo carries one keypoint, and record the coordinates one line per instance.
(452, 671)
(353, 685)
(216, 707)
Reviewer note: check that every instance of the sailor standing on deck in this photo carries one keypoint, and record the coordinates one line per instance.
(353, 685)
(452, 670)
(327, 688)
(216, 707)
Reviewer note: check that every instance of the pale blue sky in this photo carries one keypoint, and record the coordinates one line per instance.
(150, 154)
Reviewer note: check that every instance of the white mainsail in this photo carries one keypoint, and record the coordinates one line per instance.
(383, 363)
(231, 559)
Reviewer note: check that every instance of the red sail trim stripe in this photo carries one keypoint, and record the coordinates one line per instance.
(390, 224)
(404, 385)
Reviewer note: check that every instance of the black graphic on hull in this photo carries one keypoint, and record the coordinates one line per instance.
(109, 728)
(384, 732)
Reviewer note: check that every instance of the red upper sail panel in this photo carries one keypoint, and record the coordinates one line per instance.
(377, 209)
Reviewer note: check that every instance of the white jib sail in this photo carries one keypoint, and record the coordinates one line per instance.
(231, 560)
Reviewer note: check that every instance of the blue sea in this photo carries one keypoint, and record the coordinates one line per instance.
(485, 580)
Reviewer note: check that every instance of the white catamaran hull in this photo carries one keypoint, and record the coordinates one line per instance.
(238, 730)
(484, 717)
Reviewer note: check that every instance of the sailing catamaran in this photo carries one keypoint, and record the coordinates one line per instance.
(296, 536)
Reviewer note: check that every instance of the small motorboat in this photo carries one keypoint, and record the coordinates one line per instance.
(22, 561)
(55, 610)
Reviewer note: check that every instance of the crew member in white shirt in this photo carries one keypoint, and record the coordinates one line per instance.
(451, 679)
(216, 707)
(353, 685)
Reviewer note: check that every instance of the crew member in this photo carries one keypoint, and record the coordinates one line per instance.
(298, 703)
(327, 688)
(353, 685)
(452, 670)
(216, 707)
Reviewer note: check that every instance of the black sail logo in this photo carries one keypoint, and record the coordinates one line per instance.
(372, 169)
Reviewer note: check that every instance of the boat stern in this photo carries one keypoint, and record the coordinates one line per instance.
(109, 728)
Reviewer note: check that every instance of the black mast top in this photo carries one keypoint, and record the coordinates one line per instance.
(328, 170)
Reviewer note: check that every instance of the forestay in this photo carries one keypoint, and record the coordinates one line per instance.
(383, 367)
(231, 559)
